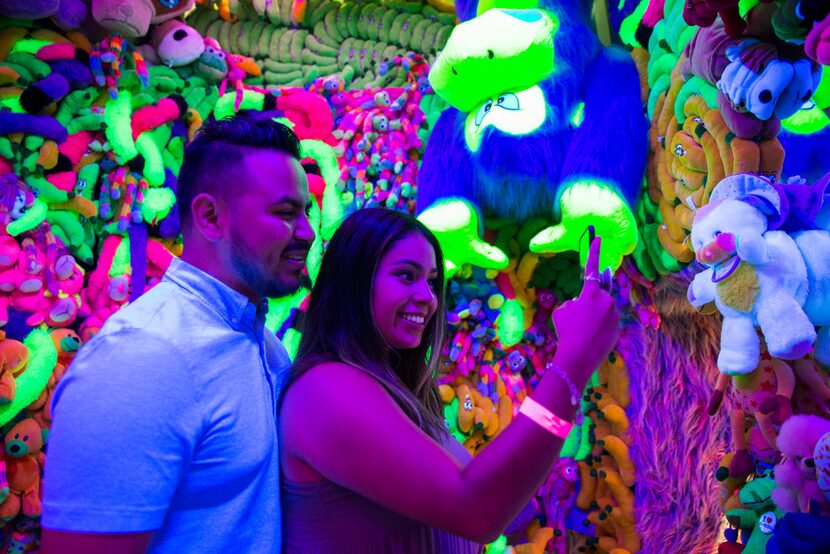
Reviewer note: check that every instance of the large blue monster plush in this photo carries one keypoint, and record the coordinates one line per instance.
(543, 122)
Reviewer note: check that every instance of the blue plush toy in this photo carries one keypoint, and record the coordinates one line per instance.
(544, 122)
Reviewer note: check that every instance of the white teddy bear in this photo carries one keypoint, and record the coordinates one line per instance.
(760, 277)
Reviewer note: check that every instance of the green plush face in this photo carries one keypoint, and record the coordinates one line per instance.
(498, 51)
(757, 494)
(517, 113)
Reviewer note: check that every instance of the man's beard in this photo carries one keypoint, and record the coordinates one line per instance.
(267, 285)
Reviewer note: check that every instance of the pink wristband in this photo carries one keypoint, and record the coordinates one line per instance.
(545, 419)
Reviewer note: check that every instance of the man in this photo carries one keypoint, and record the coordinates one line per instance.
(164, 434)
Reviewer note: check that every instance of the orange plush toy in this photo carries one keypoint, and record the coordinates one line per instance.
(13, 359)
(23, 454)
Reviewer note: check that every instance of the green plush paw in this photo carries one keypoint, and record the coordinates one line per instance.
(594, 203)
(455, 223)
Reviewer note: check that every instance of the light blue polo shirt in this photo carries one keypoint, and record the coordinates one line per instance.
(166, 422)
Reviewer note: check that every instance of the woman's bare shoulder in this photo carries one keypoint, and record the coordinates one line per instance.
(331, 376)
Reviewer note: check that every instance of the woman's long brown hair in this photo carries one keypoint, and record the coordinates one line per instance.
(339, 325)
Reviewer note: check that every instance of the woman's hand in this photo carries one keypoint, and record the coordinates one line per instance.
(587, 326)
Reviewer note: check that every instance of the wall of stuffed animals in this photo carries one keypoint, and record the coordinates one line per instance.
(693, 137)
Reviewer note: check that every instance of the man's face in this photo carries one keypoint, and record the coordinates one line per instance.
(268, 224)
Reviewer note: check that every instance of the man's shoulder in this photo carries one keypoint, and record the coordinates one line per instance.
(150, 320)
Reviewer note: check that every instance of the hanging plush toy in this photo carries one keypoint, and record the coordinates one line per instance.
(544, 122)
(758, 275)
(795, 476)
(132, 18)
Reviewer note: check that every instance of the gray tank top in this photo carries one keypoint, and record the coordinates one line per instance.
(325, 518)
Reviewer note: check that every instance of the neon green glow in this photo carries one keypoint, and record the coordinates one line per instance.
(30, 383)
(30, 45)
(806, 121)
(285, 121)
(158, 202)
(455, 224)
(745, 5)
(121, 260)
(518, 114)
(629, 25)
(12, 104)
(485, 5)
(578, 116)
(278, 311)
(812, 118)
(822, 95)
(500, 50)
(498, 546)
(594, 203)
(511, 323)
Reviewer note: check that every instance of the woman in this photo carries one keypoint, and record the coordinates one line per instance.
(367, 464)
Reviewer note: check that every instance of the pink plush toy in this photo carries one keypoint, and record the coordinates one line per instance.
(765, 395)
(704, 12)
(309, 112)
(132, 18)
(176, 43)
(49, 285)
(103, 294)
(817, 43)
(795, 477)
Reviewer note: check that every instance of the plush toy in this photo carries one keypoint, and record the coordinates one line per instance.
(132, 18)
(757, 514)
(821, 457)
(528, 134)
(764, 394)
(795, 477)
(759, 276)
(759, 82)
(104, 294)
(68, 14)
(212, 64)
(67, 342)
(817, 44)
(703, 13)
(24, 457)
(794, 19)
(560, 492)
(802, 533)
(176, 43)
(13, 359)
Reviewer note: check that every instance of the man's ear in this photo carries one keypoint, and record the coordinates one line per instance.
(209, 216)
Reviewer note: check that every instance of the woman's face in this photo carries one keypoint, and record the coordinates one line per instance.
(403, 291)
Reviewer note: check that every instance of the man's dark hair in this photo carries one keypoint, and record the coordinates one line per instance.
(211, 160)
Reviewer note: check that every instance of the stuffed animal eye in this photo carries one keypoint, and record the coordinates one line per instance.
(482, 111)
(508, 101)
(169, 3)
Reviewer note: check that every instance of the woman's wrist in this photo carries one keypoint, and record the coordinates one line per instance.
(576, 370)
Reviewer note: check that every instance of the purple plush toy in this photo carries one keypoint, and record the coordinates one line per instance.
(68, 14)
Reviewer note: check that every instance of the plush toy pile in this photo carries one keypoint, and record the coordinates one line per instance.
(726, 81)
